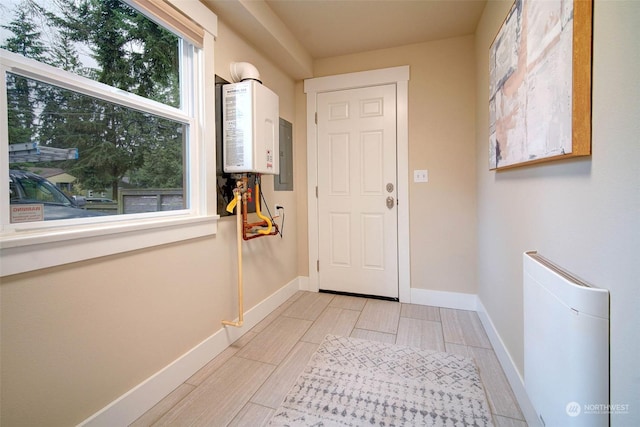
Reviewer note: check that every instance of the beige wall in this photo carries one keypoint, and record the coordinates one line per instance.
(441, 140)
(583, 214)
(76, 337)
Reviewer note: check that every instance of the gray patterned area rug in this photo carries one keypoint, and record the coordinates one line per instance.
(355, 382)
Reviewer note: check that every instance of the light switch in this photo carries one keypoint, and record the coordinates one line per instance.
(421, 175)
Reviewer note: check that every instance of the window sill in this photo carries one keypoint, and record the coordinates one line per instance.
(31, 250)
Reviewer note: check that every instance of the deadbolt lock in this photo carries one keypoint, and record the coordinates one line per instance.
(389, 187)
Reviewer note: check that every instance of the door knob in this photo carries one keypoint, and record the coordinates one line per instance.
(390, 202)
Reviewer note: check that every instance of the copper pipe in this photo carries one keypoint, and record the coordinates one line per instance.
(254, 236)
(252, 230)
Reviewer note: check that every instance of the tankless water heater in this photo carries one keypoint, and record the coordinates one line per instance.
(250, 128)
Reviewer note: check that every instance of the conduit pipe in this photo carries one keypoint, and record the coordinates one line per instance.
(239, 231)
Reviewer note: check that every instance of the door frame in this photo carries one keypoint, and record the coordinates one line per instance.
(395, 75)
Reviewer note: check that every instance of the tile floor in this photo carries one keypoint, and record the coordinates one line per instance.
(245, 383)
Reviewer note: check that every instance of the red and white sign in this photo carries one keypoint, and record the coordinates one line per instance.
(27, 213)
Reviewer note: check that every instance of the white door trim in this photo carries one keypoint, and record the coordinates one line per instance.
(400, 77)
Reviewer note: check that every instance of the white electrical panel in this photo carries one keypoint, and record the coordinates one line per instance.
(251, 128)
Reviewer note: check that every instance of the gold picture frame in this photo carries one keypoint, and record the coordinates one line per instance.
(540, 83)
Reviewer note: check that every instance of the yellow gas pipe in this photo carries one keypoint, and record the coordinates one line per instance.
(237, 202)
(262, 217)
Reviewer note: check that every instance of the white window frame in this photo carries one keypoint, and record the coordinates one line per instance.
(32, 246)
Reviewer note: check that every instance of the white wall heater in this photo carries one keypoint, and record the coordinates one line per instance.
(566, 346)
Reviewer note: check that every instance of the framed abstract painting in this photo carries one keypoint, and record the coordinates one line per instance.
(540, 83)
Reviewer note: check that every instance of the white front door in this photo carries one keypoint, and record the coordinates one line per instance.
(357, 215)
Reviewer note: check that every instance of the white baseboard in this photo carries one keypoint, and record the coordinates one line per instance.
(131, 405)
(457, 300)
(509, 368)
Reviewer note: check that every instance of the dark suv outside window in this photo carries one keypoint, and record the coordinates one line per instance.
(29, 188)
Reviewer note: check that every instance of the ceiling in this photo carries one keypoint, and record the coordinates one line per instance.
(337, 27)
(297, 32)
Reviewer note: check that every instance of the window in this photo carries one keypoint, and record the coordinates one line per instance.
(99, 100)
(107, 147)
